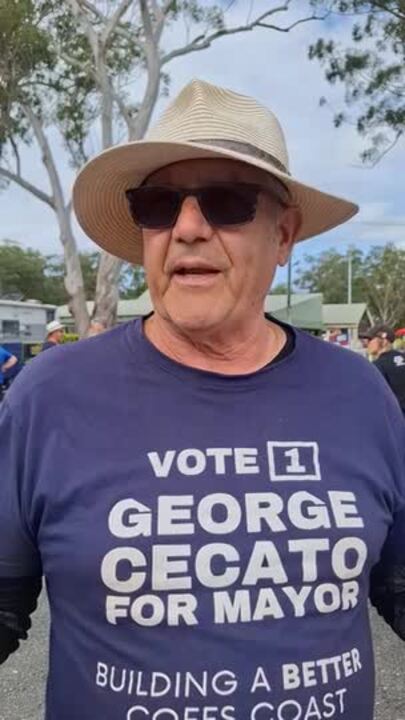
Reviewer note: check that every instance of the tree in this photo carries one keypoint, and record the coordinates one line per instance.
(384, 273)
(132, 281)
(372, 71)
(68, 64)
(55, 273)
(378, 280)
(327, 273)
(27, 274)
(32, 86)
(22, 272)
(279, 289)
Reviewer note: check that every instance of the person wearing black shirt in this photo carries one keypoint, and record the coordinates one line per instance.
(390, 362)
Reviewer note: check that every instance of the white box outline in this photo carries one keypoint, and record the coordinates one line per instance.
(285, 478)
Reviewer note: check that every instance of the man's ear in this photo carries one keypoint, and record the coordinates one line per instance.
(288, 226)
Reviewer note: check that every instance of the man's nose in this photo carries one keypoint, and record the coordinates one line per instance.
(191, 224)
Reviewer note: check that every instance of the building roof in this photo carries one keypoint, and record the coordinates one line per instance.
(343, 315)
(27, 303)
(305, 311)
(127, 309)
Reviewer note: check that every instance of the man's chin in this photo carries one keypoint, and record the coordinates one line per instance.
(194, 322)
(194, 319)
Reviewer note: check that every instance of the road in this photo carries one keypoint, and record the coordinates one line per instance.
(22, 678)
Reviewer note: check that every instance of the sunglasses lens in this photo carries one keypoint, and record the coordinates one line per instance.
(221, 204)
(153, 207)
(228, 204)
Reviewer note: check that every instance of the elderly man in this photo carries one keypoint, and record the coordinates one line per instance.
(54, 335)
(208, 518)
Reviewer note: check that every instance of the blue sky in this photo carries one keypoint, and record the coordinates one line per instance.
(273, 67)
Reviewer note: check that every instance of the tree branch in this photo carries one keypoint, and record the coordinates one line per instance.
(391, 11)
(153, 66)
(160, 13)
(78, 8)
(114, 20)
(26, 185)
(122, 107)
(294, 24)
(17, 155)
(93, 9)
(104, 19)
(146, 20)
(387, 149)
(201, 42)
(47, 157)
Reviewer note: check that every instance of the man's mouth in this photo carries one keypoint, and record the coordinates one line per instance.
(195, 276)
(196, 271)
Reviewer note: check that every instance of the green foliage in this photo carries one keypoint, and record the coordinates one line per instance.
(377, 279)
(25, 52)
(22, 273)
(372, 70)
(69, 338)
(46, 62)
(27, 274)
(279, 289)
(384, 283)
(132, 281)
(327, 273)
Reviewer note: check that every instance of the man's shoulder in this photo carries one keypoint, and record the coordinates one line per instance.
(391, 358)
(329, 355)
(347, 374)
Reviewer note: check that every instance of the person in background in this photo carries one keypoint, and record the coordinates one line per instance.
(54, 335)
(399, 342)
(390, 362)
(95, 328)
(7, 361)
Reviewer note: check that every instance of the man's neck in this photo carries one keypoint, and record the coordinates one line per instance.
(233, 353)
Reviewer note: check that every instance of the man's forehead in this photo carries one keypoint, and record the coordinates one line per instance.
(215, 169)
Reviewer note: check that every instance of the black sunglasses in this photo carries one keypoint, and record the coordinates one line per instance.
(221, 204)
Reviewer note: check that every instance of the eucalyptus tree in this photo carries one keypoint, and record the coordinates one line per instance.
(95, 69)
(371, 69)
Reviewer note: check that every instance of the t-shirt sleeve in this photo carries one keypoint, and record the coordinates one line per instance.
(20, 565)
(4, 356)
(19, 556)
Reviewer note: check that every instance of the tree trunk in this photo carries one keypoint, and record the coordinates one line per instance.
(107, 291)
(73, 273)
(74, 278)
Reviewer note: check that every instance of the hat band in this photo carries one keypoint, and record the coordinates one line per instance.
(244, 149)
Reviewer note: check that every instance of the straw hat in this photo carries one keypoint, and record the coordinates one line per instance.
(203, 121)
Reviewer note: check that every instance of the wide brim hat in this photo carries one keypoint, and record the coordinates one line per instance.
(203, 121)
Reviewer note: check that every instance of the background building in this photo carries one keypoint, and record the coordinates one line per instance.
(22, 326)
(343, 322)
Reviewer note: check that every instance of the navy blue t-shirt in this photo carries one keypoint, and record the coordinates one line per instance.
(206, 539)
